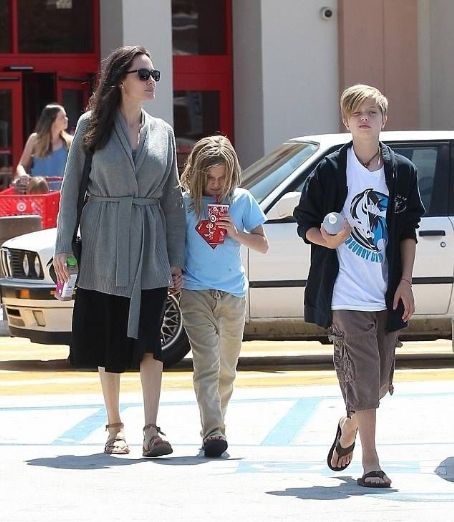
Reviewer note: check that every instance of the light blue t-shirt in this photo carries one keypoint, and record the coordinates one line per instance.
(219, 268)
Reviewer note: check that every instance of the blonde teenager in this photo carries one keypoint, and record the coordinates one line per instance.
(359, 283)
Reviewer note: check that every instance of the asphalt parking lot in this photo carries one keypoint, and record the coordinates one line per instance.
(280, 427)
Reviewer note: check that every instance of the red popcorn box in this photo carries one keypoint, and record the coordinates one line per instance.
(211, 233)
(216, 211)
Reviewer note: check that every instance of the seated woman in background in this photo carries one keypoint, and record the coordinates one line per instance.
(46, 150)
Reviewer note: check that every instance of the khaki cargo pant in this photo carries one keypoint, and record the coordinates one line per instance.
(214, 323)
(364, 355)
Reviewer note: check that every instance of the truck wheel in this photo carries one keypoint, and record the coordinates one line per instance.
(175, 344)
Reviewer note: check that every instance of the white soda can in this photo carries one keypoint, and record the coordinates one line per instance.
(333, 223)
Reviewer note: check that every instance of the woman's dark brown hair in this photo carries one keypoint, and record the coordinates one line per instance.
(106, 99)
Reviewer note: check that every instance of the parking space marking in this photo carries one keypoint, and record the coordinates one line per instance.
(285, 431)
(77, 433)
(278, 431)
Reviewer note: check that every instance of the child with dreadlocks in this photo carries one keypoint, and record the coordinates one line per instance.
(220, 217)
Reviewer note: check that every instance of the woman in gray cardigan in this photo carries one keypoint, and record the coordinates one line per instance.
(132, 229)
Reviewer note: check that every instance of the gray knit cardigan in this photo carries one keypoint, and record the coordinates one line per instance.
(133, 224)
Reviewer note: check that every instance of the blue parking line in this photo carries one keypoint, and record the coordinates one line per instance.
(82, 430)
(249, 400)
(56, 407)
(285, 431)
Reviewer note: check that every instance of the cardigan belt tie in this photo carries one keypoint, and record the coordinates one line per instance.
(125, 204)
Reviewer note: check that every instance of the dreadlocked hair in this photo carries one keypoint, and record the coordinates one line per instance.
(209, 152)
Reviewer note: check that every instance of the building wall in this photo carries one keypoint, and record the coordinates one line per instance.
(300, 69)
(247, 81)
(111, 20)
(290, 64)
(141, 22)
(424, 65)
(378, 45)
(436, 63)
(285, 73)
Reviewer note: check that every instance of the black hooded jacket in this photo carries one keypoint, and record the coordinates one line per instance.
(326, 191)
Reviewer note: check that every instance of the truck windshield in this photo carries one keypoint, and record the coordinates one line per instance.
(262, 177)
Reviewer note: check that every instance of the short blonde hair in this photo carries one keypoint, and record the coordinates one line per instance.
(356, 95)
(209, 152)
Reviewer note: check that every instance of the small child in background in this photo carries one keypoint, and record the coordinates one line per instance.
(37, 185)
(31, 185)
(220, 217)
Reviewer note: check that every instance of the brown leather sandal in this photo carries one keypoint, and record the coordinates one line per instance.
(116, 444)
(155, 446)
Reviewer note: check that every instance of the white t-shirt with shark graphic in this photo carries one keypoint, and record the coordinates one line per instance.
(363, 269)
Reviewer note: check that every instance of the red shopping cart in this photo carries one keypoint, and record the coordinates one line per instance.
(45, 205)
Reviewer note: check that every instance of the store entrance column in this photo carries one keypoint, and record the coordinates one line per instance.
(202, 72)
(10, 125)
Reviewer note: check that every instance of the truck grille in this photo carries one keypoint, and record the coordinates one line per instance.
(21, 264)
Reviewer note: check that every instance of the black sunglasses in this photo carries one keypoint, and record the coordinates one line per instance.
(144, 74)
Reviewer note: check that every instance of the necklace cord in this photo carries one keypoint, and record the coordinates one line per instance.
(367, 163)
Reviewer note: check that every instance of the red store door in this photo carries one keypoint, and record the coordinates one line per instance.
(202, 71)
(10, 125)
(202, 106)
(73, 93)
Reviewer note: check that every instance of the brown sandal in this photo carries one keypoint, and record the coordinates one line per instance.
(116, 444)
(155, 446)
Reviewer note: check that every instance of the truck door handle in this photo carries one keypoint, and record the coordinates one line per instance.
(432, 233)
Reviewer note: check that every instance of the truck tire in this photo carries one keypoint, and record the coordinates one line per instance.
(175, 344)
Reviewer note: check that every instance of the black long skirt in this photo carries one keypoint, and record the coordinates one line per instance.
(99, 330)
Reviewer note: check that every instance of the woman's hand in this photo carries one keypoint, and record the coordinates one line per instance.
(21, 182)
(61, 269)
(177, 279)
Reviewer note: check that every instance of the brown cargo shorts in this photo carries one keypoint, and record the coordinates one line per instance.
(364, 356)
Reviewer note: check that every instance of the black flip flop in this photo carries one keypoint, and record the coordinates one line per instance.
(341, 452)
(373, 474)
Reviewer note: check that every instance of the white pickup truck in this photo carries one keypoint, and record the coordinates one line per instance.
(277, 279)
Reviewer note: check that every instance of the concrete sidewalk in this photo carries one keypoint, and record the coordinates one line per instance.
(52, 468)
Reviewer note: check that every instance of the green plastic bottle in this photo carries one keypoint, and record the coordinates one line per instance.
(64, 291)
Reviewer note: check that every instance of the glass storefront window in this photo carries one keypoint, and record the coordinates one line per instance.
(55, 26)
(5, 32)
(198, 27)
(196, 114)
